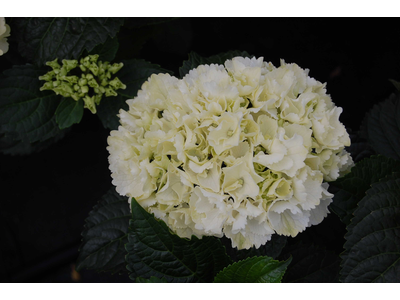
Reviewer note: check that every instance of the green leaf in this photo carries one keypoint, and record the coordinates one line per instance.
(195, 60)
(383, 127)
(69, 112)
(105, 234)
(152, 279)
(311, 264)
(108, 50)
(372, 248)
(26, 113)
(261, 269)
(133, 74)
(44, 39)
(358, 181)
(154, 251)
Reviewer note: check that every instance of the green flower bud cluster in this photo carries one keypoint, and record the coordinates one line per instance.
(89, 82)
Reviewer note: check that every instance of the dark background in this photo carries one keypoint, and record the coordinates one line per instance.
(49, 194)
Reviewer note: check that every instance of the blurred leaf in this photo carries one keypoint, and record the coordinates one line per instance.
(372, 249)
(395, 83)
(261, 269)
(133, 74)
(195, 60)
(69, 112)
(154, 251)
(146, 21)
(105, 234)
(44, 39)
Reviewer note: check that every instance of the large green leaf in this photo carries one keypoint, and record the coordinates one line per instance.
(262, 269)
(383, 127)
(44, 39)
(354, 184)
(133, 74)
(154, 251)
(311, 264)
(196, 60)
(372, 248)
(105, 234)
(26, 113)
(69, 112)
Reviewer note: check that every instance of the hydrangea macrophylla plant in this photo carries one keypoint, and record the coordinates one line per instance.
(4, 33)
(240, 150)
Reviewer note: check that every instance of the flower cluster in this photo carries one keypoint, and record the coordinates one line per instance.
(240, 150)
(4, 33)
(94, 80)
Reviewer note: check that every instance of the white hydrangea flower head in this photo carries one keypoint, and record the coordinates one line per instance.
(4, 33)
(240, 149)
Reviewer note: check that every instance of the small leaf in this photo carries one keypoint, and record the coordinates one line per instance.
(195, 60)
(108, 50)
(44, 39)
(372, 248)
(152, 279)
(154, 251)
(261, 269)
(133, 74)
(358, 181)
(105, 234)
(69, 112)
(26, 113)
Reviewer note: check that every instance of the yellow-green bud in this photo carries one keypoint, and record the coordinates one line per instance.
(69, 64)
(85, 89)
(82, 81)
(94, 68)
(47, 86)
(93, 83)
(117, 84)
(115, 67)
(110, 92)
(89, 104)
(54, 64)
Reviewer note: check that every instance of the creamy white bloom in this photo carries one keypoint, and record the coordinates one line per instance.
(239, 150)
(4, 33)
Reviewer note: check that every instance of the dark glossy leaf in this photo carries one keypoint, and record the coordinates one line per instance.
(261, 269)
(383, 127)
(108, 50)
(196, 60)
(372, 248)
(26, 113)
(69, 112)
(358, 181)
(152, 279)
(133, 74)
(105, 234)
(312, 264)
(154, 251)
(44, 39)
